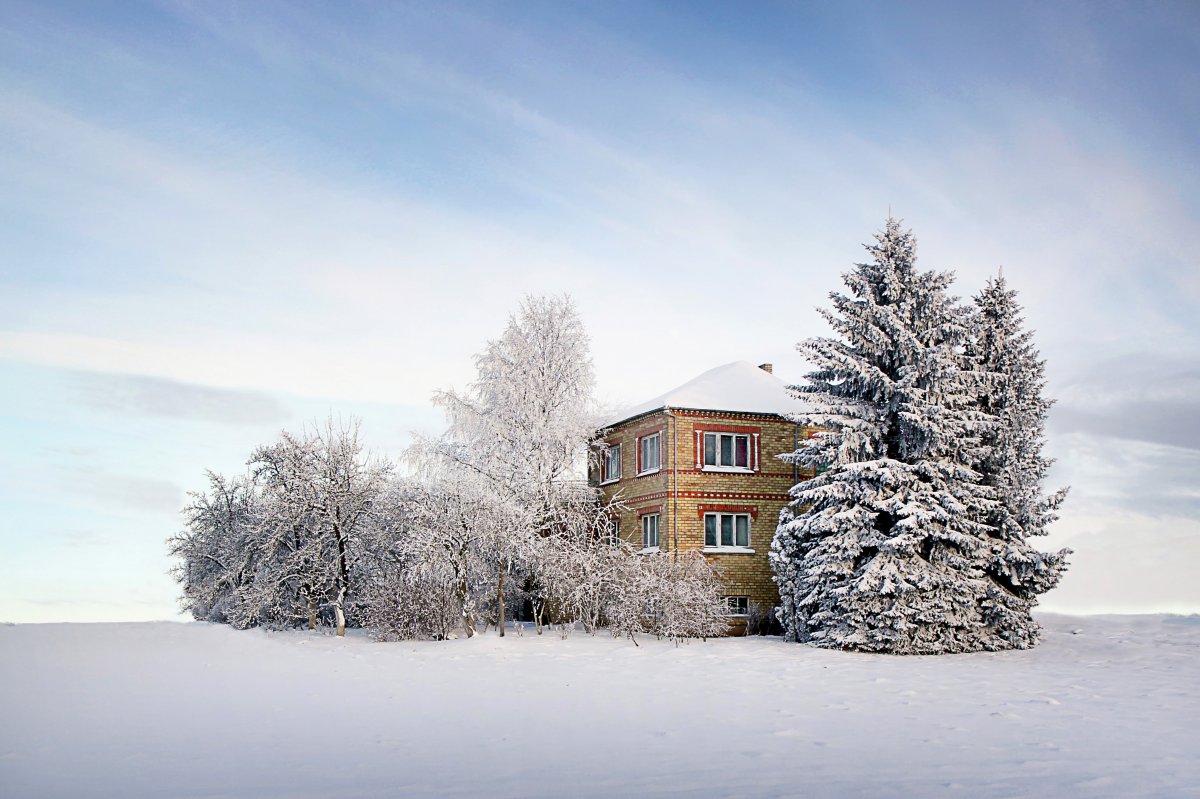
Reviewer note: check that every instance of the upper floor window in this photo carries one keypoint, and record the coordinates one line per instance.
(726, 450)
(727, 530)
(649, 453)
(650, 531)
(610, 464)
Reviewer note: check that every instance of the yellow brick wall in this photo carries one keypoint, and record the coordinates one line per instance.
(688, 489)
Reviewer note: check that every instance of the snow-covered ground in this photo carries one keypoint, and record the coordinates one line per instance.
(1106, 706)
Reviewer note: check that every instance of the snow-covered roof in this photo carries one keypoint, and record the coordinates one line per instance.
(740, 387)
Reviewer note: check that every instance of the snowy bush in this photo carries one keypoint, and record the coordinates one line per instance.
(421, 602)
(668, 596)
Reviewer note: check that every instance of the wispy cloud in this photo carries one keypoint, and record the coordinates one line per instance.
(150, 396)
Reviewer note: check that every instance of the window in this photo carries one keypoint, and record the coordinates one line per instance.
(727, 530)
(649, 453)
(738, 605)
(726, 451)
(610, 464)
(650, 531)
(611, 533)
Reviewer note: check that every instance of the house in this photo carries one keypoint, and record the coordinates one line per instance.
(697, 469)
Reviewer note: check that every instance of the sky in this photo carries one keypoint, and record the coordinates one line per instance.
(222, 220)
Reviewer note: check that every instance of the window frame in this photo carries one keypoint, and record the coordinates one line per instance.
(611, 534)
(613, 453)
(734, 603)
(717, 466)
(644, 522)
(642, 470)
(734, 516)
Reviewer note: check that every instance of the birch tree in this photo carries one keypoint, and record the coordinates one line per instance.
(525, 427)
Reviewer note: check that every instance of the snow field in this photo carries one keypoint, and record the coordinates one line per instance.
(198, 710)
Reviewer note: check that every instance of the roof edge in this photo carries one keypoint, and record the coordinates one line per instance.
(663, 408)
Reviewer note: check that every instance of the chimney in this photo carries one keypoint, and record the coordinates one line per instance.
(768, 368)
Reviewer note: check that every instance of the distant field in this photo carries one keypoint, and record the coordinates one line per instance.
(1106, 706)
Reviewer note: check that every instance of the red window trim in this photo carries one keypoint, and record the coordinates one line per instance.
(701, 510)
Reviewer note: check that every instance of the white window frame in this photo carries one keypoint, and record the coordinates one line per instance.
(641, 444)
(647, 521)
(612, 532)
(731, 467)
(717, 546)
(732, 604)
(613, 455)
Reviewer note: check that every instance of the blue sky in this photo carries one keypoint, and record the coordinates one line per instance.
(220, 220)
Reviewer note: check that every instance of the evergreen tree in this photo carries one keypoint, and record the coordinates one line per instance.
(1012, 464)
(886, 549)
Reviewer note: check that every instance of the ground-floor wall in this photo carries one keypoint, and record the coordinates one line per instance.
(745, 571)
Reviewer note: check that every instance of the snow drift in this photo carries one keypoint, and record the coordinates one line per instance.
(1105, 706)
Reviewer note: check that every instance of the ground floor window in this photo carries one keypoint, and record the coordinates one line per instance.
(738, 605)
(611, 533)
(650, 531)
(727, 529)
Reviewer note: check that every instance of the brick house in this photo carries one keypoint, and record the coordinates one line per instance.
(697, 468)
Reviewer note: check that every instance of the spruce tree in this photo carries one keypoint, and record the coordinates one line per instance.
(886, 549)
(1012, 465)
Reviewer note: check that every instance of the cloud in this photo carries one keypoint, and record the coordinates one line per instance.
(1143, 397)
(126, 492)
(137, 395)
(1114, 475)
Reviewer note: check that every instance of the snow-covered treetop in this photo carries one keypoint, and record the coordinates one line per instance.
(740, 387)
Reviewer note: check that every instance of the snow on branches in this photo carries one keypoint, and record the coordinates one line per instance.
(283, 544)
(893, 545)
(497, 516)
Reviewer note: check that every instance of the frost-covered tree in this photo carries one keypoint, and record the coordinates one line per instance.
(214, 555)
(1012, 379)
(448, 524)
(525, 427)
(283, 544)
(886, 548)
(321, 493)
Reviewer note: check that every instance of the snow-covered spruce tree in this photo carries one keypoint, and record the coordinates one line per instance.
(525, 427)
(886, 548)
(1012, 378)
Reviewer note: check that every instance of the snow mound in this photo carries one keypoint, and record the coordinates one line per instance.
(740, 387)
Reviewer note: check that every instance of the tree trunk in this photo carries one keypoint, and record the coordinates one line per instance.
(500, 603)
(462, 593)
(343, 575)
(312, 613)
(540, 610)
